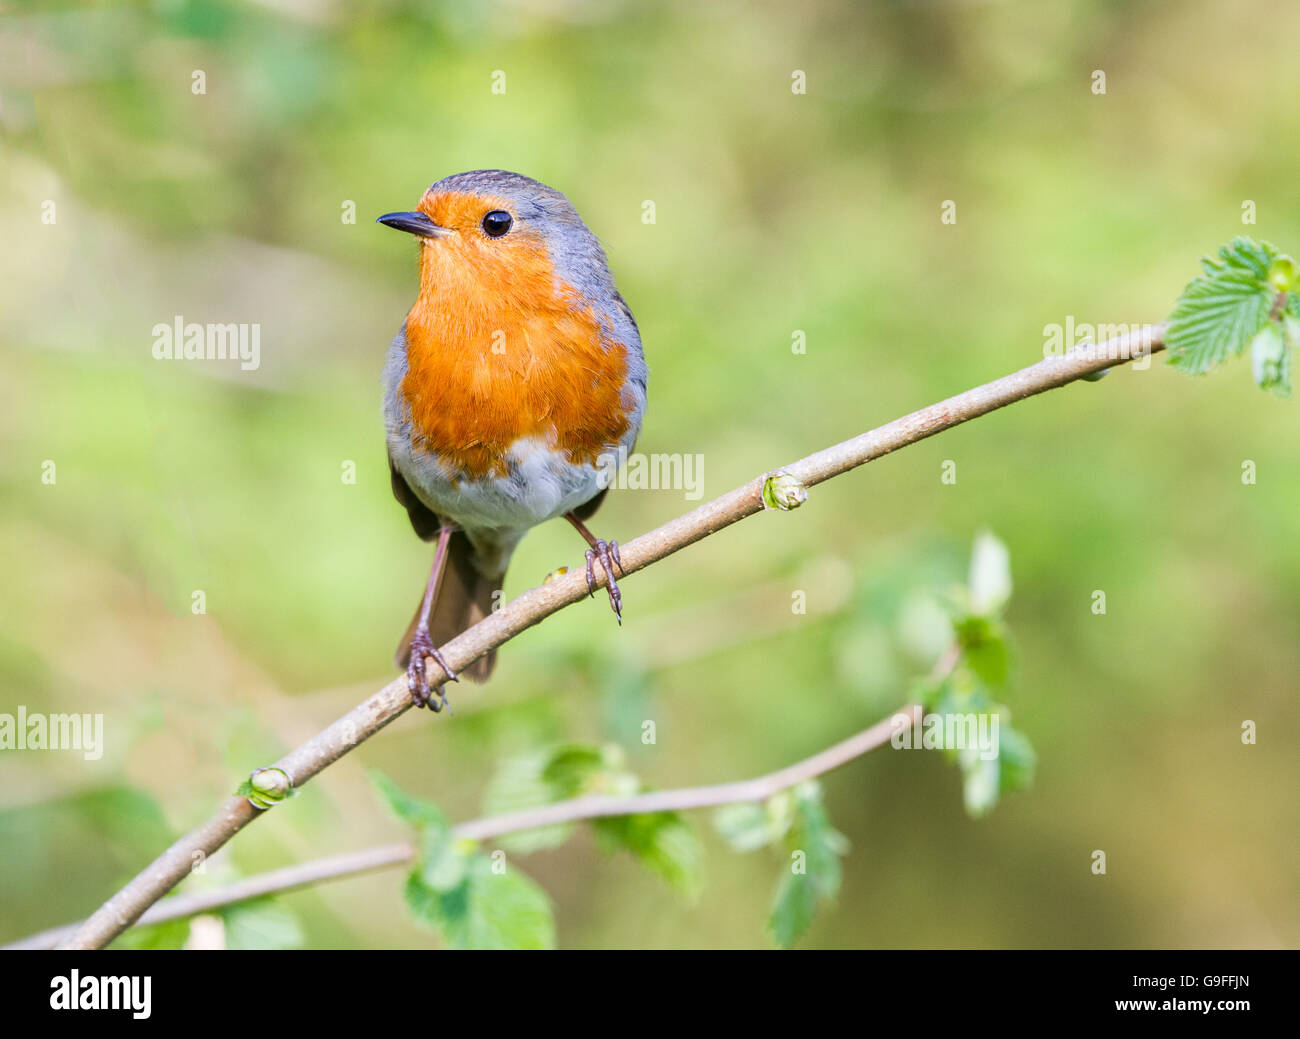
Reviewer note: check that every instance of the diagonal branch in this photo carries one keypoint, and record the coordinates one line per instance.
(536, 604)
(290, 878)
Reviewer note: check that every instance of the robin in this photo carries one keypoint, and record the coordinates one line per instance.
(514, 381)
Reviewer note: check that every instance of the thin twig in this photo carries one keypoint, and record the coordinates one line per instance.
(536, 604)
(386, 856)
(759, 789)
(273, 882)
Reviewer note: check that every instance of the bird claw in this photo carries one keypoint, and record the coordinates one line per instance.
(418, 681)
(607, 553)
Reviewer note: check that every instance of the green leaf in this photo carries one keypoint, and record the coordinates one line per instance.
(924, 627)
(961, 693)
(663, 842)
(1283, 274)
(169, 935)
(985, 650)
(991, 660)
(990, 575)
(263, 923)
(486, 910)
(985, 780)
(517, 786)
(539, 778)
(424, 902)
(1243, 256)
(444, 860)
(1270, 355)
(824, 844)
(814, 871)
(1017, 759)
(569, 769)
(1220, 311)
(745, 826)
(929, 691)
(554, 774)
(981, 781)
(1214, 319)
(407, 808)
(625, 689)
(793, 909)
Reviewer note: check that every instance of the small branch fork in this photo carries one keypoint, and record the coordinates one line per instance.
(387, 856)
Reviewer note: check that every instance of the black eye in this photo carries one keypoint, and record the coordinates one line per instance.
(497, 223)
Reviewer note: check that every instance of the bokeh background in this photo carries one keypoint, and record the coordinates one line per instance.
(774, 212)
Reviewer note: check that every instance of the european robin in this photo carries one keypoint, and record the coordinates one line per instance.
(515, 379)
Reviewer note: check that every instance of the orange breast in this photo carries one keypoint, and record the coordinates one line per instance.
(495, 355)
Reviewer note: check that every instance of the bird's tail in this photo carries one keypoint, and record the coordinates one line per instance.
(464, 598)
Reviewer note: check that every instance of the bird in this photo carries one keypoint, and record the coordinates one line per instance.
(514, 387)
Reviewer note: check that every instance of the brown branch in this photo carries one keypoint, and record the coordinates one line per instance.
(536, 604)
(275, 881)
(385, 856)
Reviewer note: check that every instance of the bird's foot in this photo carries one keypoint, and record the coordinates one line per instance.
(418, 681)
(607, 553)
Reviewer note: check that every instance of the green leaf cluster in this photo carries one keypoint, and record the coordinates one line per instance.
(663, 842)
(479, 901)
(1247, 296)
(984, 672)
(475, 901)
(795, 820)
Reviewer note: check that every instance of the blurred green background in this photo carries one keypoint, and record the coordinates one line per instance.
(775, 212)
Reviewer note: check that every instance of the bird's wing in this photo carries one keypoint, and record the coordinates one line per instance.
(425, 521)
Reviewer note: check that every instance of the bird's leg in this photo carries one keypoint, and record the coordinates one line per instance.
(607, 553)
(422, 643)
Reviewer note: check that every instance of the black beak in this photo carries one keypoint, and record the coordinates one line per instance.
(412, 223)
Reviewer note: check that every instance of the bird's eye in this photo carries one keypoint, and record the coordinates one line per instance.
(497, 223)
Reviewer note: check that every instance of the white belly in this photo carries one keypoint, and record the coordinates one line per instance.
(541, 484)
